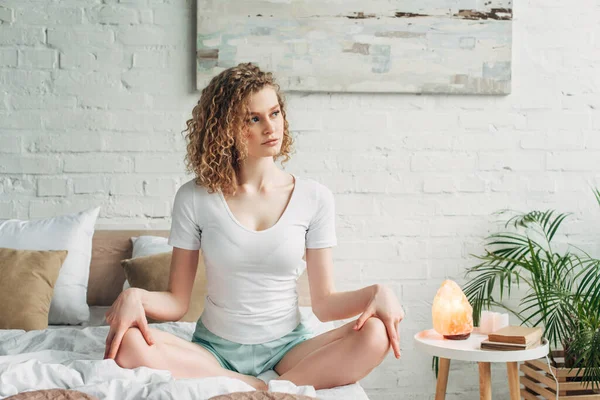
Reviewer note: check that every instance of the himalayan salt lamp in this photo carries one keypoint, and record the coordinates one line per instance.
(452, 313)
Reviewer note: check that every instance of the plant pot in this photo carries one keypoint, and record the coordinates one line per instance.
(538, 382)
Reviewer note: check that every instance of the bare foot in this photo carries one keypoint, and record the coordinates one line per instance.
(256, 383)
(259, 384)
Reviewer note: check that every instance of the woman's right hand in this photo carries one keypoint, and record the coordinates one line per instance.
(127, 311)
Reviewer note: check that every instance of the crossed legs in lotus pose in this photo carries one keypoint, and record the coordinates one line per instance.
(339, 357)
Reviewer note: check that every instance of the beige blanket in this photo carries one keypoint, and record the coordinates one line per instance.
(261, 395)
(52, 394)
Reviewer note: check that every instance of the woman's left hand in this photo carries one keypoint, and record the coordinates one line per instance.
(385, 306)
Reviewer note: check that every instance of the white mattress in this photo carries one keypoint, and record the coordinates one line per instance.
(71, 357)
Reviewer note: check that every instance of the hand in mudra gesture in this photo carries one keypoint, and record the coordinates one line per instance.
(385, 306)
(127, 311)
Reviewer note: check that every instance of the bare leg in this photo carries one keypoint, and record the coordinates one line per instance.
(184, 359)
(339, 357)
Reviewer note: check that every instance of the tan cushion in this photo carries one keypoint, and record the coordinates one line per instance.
(26, 286)
(261, 395)
(152, 273)
(52, 394)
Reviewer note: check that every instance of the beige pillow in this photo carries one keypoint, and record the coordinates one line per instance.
(152, 273)
(27, 285)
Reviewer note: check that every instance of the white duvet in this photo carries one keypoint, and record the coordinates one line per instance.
(72, 358)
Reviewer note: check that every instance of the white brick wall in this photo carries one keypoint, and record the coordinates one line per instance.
(93, 98)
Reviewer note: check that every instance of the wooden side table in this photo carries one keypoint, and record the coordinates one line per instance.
(434, 344)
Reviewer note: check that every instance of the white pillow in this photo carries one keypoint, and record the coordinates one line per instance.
(72, 232)
(147, 246)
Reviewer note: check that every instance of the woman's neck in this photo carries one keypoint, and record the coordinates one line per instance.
(258, 174)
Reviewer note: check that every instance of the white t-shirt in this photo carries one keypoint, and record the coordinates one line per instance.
(251, 275)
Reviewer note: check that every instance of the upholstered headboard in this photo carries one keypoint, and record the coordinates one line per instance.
(106, 280)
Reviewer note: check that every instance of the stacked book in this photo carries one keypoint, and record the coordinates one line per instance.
(513, 338)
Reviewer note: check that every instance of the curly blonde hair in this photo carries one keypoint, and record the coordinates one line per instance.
(215, 143)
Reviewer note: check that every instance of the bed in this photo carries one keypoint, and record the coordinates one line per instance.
(71, 357)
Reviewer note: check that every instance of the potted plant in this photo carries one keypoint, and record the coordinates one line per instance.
(563, 295)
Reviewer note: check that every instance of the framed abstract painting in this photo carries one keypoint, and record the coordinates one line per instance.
(411, 46)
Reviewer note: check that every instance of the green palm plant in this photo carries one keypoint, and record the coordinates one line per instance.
(563, 288)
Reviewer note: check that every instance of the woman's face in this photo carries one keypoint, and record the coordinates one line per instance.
(264, 132)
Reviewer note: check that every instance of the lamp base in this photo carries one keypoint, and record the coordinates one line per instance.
(464, 336)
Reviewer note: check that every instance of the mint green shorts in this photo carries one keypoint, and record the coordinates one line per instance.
(249, 359)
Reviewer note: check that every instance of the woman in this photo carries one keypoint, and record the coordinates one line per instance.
(254, 223)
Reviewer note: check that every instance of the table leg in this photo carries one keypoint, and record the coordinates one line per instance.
(442, 379)
(513, 380)
(485, 381)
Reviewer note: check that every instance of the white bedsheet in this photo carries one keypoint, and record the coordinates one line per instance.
(71, 358)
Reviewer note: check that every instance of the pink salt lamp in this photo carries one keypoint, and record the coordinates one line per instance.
(452, 314)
